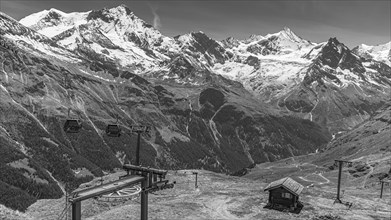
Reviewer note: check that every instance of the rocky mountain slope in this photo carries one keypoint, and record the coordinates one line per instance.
(198, 119)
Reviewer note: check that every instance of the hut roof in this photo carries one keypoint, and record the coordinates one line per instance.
(288, 183)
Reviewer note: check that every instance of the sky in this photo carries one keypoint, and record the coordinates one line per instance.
(352, 22)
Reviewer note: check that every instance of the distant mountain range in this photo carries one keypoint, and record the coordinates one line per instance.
(282, 69)
(221, 106)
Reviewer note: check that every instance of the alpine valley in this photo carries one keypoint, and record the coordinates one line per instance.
(220, 106)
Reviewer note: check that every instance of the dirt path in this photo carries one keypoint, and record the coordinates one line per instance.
(327, 180)
(295, 164)
(315, 181)
(220, 208)
(366, 177)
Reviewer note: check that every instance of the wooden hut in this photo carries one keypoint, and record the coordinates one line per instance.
(284, 195)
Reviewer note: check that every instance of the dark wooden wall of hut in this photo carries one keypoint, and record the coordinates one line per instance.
(276, 197)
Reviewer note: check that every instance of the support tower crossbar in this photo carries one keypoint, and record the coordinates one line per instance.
(80, 195)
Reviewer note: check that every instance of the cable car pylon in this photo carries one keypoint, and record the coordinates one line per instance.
(340, 164)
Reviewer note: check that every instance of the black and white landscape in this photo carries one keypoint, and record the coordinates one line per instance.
(258, 109)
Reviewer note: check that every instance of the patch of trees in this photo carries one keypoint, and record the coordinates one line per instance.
(15, 177)
(15, 198)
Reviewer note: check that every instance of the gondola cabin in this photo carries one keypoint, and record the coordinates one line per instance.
(113, 130)
(284, 195)
(72, 125)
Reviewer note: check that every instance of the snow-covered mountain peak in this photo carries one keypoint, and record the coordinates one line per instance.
(287, 29)
(282, 42)
(123, 8)
(288, 34)
(108, 34)
(54, 10)
(53, 21)
(191, 37)
(118, 23)
(335, 54)
(377, 47)
(111, 14)
(121, 22)
(333, 40)
(46, 15)
(334, 45)
(32, 41)
(380, 52)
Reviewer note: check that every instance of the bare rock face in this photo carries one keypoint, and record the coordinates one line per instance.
(204, 49)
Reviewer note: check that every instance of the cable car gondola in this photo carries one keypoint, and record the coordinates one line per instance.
(72, 125)
(113, 130)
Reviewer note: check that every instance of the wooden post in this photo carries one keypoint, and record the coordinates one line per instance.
(76, 211)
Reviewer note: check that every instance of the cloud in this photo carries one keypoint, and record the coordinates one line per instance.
(156, 19)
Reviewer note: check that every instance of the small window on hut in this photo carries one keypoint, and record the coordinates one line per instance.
(286, 195)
